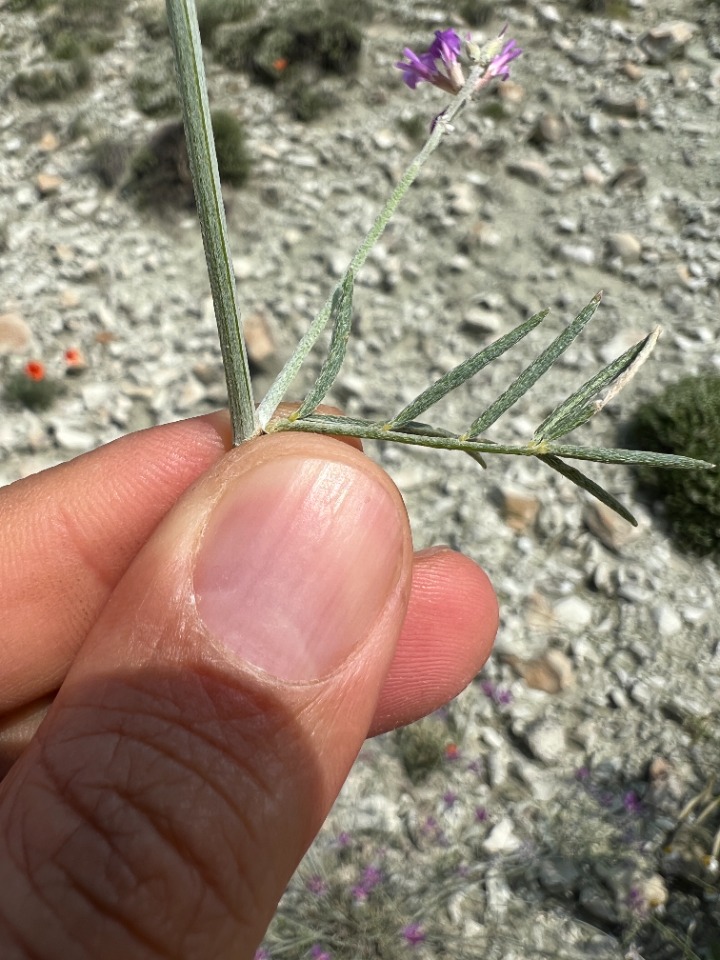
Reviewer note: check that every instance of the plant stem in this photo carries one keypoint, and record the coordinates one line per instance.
(350, 427)
(441, 127)
(185, 36)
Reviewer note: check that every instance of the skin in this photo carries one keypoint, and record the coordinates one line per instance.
(159, 790)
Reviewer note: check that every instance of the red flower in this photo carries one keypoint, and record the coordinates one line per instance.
(72, 356)
(34, 370)
(280, 64)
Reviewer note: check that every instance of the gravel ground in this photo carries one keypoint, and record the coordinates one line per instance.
(548, 820)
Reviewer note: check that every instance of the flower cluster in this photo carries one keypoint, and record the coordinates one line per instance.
(499, 696)
(371, 877)
(439, 65)
(413, 934)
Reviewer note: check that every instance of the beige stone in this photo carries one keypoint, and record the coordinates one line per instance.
(259, 340)
(48, 184)
(609, 527)
(15, 334)
(520, 509)
(552, 672)
(49, 142)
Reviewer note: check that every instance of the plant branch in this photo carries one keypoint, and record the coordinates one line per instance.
(185, 36)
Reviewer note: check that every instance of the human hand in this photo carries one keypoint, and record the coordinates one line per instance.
(223, 630)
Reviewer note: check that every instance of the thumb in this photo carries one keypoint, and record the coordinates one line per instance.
(212, 714)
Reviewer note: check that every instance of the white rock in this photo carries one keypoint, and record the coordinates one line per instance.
(579, 253)
(546, 741)
(667, 40)
(72, 438)
(624, 245)
(668, 620)
(502, 838)
(573, 613)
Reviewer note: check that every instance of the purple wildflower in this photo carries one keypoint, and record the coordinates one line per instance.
(498, 696)
(316, 885)
(481, 814)
(371, 878)
(317, 953)
(582, 774)
(446, 46)
(632, 802)
(343, 840)
(359, 893)
(449, 799)
(636, 901)
(438, 65)
(413, 934)
(262, 954)
(500, 65)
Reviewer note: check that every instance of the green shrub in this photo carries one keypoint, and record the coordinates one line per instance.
(109, 161)
(476, 13)
(617, 9)
(685, 420)
(421, 746)
(32, 394)
(309, 100)
(90, 23)
(16, 6)
(302, 35)
(66, 46)
(154, 88)
(159, 172)
(415, 126)
(232, 154)
(153, 20)
(212, 13)
(88, 14)
(52, 81)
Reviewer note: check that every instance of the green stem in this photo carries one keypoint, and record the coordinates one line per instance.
(441, 127)
(185, 36)
(350, 427)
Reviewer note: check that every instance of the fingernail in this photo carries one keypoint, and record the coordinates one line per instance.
(296, 564)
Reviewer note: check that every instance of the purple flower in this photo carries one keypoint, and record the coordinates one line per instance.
(343, 840)
(438, 65)
(500, 65)
(481, 814)
(449, 799)
(371, 878)
(262, 954)
(632, 803)
(636, 901)
(582, 774)
(446, 46)
(359, 893)
(317, 953)
(316, 885)
(413, 934)
(498, 696)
